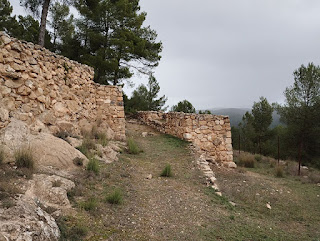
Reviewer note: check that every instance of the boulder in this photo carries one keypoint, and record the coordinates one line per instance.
(27, 221)
(47, 149)
(50, 190)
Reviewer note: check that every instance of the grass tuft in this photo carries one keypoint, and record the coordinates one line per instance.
(258, 157)
(133, 147)
(2, 156)
(246, 160)
(89, 205)
(167, 172)
(279, 171)
(93, 166)
(24, 158)
(70, 230)
(115, 197)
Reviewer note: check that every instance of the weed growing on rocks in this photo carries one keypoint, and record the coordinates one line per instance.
(115, 197)
(24, 158)
(167, 172)
(2, 156)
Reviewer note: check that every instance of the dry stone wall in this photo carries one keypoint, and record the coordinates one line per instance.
(210, 133)
(42, 88)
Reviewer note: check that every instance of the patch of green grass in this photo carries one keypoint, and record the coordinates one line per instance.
(133, 147)
(167, 172)
(24, 158)
(115, 197)
(93, 166)
(175, 141)
(90, 205)
(220, 200)
(71, 230)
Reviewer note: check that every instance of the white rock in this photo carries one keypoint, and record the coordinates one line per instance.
(268, 206)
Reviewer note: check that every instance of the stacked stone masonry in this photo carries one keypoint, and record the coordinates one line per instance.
(38, 86)
(210, 133)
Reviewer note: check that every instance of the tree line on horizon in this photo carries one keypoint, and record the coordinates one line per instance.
(299, 135)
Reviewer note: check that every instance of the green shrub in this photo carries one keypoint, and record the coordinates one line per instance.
(167, 172)
(133, 147)
(88, 144)
(279, 171)
(246, 160)
(93, 166)
(115, 197)
(102, 139)
(89, 205)
(258, 157)
(86, 147)
(70, 230)
(78, 161)
(24, 158)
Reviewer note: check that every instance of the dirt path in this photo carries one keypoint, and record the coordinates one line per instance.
(159, 208)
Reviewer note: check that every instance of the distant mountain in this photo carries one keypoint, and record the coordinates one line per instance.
(236, 114)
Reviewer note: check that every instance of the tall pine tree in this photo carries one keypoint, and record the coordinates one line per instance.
(115, 40)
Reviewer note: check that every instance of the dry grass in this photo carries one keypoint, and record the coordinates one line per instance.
(246, 160)
(24, 158)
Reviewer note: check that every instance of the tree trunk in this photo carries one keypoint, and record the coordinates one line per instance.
(300, 157)
(43, 24)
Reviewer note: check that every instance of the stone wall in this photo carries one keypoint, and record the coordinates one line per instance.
(40, 87)
(210, 133)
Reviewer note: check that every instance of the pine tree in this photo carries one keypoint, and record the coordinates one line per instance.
(115, 41)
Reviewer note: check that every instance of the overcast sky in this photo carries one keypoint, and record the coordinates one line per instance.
(227, 53)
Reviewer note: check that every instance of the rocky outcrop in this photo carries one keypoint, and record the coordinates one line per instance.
(38, 85)
(47, 149)
(26, 221)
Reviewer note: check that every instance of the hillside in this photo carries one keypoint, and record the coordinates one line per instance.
(236, 114)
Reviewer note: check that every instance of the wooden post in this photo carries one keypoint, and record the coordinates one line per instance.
(239, 144)
(278, 149)
(300, 156)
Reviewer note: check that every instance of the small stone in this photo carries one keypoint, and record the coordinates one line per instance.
(5, 39)
(144, 134)
(268, 206)
(213, 179)
(149, 177)
(219, 194)
(232, 204)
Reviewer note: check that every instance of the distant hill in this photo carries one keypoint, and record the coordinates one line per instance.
(235, 115)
